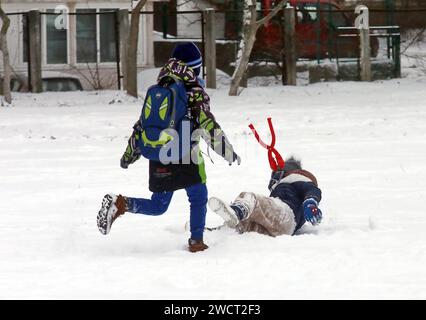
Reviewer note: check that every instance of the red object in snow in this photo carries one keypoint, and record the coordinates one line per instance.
(277, 163)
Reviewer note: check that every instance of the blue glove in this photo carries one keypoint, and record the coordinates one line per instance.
(311, 211)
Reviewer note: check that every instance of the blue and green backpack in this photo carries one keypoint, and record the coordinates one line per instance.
(164, 113)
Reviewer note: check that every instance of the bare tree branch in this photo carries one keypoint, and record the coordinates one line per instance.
(89, 80)
(186, 2)
(251, 25)
(271, 14)
(418, 36)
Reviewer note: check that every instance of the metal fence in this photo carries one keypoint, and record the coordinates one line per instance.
(79, 50)
(317, 32)
(94, 56)
(85, 50)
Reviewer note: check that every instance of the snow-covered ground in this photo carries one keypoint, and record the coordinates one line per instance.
(365, 142)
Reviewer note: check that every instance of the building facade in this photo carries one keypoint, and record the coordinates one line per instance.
(82, 43)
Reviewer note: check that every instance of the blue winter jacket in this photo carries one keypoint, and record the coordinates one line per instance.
(294, 188)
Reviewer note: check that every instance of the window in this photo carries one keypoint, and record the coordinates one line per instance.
(56, 41)
(107, 36)
(86, 36)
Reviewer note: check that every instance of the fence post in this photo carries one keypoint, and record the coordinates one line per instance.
(290, 45)
(363, 24)
(124, 30)
(165, 19)
(365, 55)
(34, 38)
(210, 48)
(396, 44)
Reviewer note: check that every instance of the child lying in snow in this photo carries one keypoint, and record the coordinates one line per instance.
(293, 200)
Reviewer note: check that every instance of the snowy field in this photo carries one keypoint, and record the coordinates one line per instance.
(366, 143)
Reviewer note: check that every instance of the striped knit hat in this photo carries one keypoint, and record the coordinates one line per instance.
(189, 53)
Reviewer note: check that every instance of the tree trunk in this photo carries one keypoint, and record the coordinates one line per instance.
(4, 49)
(251, 25)
(241, 68)
(132, 55)
(246, 45)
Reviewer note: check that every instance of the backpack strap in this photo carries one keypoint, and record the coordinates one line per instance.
(172, 123)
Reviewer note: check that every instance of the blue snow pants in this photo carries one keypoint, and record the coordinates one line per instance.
(159, 202)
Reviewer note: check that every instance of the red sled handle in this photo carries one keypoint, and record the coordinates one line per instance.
(276, 162)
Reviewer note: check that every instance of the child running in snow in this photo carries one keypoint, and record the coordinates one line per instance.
(164, 179)
(293, 200)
